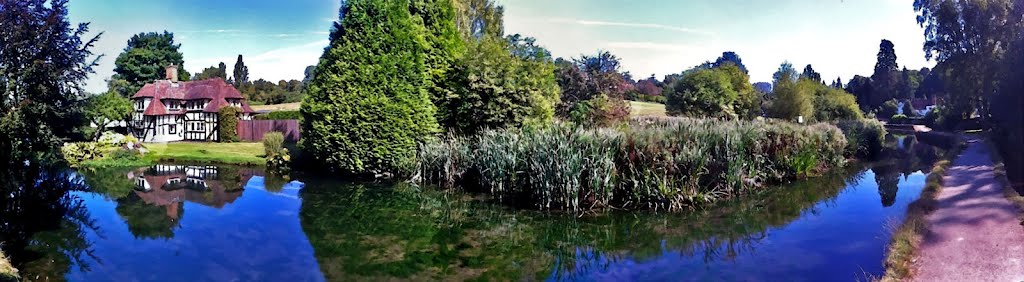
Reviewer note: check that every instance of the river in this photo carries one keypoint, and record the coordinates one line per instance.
(222, 223)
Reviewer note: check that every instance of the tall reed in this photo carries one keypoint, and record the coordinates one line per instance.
(657, 163)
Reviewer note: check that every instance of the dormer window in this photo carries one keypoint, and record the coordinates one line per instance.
(174, 105)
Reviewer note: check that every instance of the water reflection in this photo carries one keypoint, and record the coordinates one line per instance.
(221, 223)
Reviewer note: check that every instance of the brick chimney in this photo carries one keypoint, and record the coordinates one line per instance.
(172, 73)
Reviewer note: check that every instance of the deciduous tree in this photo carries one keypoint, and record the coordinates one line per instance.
(146, 59)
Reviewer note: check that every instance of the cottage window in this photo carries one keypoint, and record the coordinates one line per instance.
(172, 129)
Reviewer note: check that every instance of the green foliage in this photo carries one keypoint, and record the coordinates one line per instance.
(105, 108)
(810, 74)
(599, 111)
(899, 119)
(887, 77)
(240, 75)
(76, 153)
(794, 99)
(227, 129)
(367, 108)
(263, 92)
(495, 89)
(273, 143)
(443, 46)
(146, 59)
(279, 164)
(657, 164)
(44, 61)
(889, 108)
(865, 137)
(220, 71)
(593, 77)
(831, 104)
(908, 109)
(279, 115)
(703, 93)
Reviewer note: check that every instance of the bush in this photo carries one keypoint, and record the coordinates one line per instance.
(367, 108)
(76, 153)
(599, 111)
(279, 115)
(701, 93)
(273, 142)
(899, 119)
(657, 164)
(864, 137)
(889, 108)
(908, 109)
(279, 164)
(227, 132)
(124, 155)
(111, 139)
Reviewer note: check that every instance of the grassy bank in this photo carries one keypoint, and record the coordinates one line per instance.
(907, 238)
(213, 153)
(278, 107)
(655, 163)
(7, 271)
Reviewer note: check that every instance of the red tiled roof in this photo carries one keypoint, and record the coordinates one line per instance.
(215, 90)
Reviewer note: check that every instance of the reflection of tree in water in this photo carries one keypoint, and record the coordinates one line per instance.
(44, 225)
(888, 180)
(364, 232)
(149, 221)
(273, 183)
(111, 183)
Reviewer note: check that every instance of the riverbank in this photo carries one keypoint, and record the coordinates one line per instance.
(974, 233)
(7, 271)
(247, 154)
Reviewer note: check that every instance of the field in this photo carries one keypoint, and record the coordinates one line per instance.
(278, 107)
(647, 109)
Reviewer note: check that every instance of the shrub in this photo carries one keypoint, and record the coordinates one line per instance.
(279, 115)
(279, 164)
(367, 107)
(111, 139)
(899, 119)
(599, 111)
(124, 155)
(227, 131)
(908, 109)
(888, 109)
(76, 153)
(864, 137)
(672, 164)
(702, 93)
(273, 142)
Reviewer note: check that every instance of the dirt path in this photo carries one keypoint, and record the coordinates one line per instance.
(975, 232)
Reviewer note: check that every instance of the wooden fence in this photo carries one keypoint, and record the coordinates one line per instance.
(253, 130)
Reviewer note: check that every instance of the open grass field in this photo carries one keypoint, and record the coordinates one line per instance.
(278, 107)
(647, 109)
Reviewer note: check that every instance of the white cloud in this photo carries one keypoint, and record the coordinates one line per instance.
(634, 25)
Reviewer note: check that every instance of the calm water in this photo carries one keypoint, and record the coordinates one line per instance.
(207, 223)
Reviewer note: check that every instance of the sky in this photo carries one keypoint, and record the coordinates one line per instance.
(278, 39)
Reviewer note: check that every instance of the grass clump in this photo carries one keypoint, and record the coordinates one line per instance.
(657, 163)
(907, 238)
(273, 143)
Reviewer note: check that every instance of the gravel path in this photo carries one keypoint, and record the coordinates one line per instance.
(975, 233)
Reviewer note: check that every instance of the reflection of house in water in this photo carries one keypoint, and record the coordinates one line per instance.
(168, 185)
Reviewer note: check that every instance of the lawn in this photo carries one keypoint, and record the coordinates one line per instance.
(223, 153)
(278, 107)
(647, 109)
(191, 152)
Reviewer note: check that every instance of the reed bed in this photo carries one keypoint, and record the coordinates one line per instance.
(653, 164)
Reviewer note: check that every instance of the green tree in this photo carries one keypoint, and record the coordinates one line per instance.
(44, 62)
(443, 47)
(785, 73)
(220, 71)
(227, 129)
(477, 18)
(747, 104)
(730, 57)
(886, 78)
(498, 90)
(794, 99)
(833, 104)
(240, 75)
(861, 87)
(146, 58)
(589, 78)
(810, 74)
(703, 93)
(367, 109)
(105, 108)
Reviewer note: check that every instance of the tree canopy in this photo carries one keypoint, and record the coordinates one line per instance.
(367, 108)
(146, 58)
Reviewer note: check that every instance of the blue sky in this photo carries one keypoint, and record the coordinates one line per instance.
(279, 38)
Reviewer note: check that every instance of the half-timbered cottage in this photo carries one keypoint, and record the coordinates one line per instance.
(171, 110)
